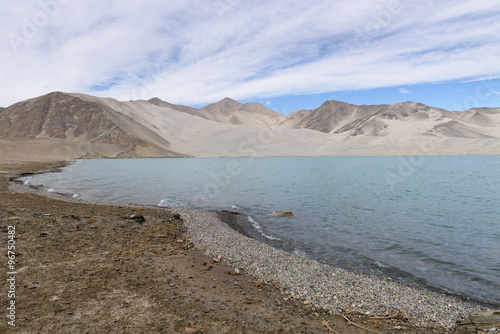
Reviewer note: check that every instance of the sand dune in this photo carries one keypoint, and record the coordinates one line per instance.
(60, 125)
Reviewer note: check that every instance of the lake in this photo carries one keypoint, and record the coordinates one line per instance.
(426, 220)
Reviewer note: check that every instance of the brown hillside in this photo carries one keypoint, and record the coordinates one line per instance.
(70, 120)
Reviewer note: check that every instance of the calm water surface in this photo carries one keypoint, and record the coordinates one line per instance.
(424, 220)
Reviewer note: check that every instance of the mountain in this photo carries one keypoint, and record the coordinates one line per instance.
(337, 117)
(63, 126)
(232, 112)
(195, 135)
(223, 107)
(229, 111)
(333, 116)
(69, 125)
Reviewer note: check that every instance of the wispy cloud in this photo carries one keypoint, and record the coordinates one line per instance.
(403, 90)
(195, 52)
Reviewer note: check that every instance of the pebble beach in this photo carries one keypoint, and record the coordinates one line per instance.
(332, 289)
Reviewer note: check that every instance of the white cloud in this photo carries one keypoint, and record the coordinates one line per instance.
(403, 90)
(197, 51)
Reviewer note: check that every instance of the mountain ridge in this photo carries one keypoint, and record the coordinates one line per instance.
(72, 125)
(94, 129)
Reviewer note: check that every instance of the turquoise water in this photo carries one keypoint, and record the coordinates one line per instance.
(423, 220)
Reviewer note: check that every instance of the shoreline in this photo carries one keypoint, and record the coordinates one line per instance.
(233, 221)
(311, 283)
(321, 285)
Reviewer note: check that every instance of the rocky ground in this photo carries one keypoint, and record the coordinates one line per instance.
(92, 268)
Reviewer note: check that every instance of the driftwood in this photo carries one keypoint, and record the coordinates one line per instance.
(330, 329)
(350, 322)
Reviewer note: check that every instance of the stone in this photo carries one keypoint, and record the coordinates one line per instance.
(282, 214)
(480, 321)
(137, 218)
(231, 212)
(485, 320)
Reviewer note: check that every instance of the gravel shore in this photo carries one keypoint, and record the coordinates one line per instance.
(333, 289)
(312, 283)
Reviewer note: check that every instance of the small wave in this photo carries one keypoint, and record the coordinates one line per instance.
(51, 190)
(234, 207)
(169, 203)
(381, 265)
(75, 195)
(258, 227)
(27, 180)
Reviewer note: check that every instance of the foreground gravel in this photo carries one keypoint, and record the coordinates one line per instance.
(332, 289)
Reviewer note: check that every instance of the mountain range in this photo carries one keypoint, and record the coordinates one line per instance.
(68, 125)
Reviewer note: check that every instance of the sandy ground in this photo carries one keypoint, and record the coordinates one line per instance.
(89, 268)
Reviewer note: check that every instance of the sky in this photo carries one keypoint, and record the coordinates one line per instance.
(286, 55)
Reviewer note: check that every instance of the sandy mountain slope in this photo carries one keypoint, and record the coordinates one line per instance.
(192, 111)
(229, 111)
(400, 119)
(200, 137)
(411, 118)
(399, 129)
(59, 125)
(404, 128)
(481, 116)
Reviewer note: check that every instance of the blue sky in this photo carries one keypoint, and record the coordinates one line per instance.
(458, 95)
(291, 56)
